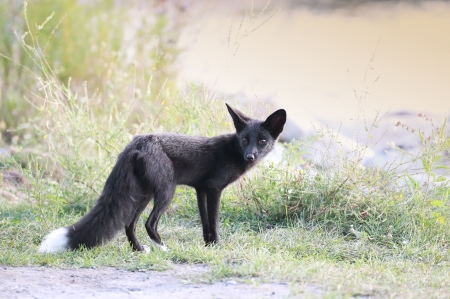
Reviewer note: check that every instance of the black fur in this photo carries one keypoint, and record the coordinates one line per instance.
(152, 165)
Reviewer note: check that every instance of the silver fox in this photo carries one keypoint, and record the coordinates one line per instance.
(152, 165)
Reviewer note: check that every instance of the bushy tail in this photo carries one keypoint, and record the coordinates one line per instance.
(112, 210)
(95, 228)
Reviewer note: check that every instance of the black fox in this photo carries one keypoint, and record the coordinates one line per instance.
(152, 165)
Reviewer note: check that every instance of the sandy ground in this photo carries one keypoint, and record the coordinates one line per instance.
(180, 282)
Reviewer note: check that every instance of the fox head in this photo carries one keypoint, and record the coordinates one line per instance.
(257, 138)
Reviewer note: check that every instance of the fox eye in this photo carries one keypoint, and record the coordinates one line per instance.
(262, 141)
(244, 140)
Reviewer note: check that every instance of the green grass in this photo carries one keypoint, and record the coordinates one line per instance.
(298, 253)
(335, 230)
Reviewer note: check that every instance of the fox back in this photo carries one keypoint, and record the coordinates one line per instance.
(152, 165)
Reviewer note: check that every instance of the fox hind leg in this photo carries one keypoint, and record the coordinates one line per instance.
(130, 227)
(162, 200)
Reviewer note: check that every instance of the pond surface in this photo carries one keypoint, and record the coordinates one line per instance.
(324, 63)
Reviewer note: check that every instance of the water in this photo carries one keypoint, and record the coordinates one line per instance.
(325, 64)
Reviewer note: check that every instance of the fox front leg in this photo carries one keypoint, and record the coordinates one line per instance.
(202, 208)
(213, 204)
(208, 200)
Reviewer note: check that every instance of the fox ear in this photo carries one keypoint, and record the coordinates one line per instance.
(275, 123)
(239, 118)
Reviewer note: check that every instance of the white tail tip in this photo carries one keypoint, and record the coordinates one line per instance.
(55, 241)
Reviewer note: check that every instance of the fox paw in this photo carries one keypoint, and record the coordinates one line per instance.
(146, 249)
(160, 246)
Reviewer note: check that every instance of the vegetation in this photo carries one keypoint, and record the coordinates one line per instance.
(67, 110)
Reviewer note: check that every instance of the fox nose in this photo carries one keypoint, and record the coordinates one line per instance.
(250, 157)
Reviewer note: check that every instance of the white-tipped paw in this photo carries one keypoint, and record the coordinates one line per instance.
(160, 246)
(146, 249)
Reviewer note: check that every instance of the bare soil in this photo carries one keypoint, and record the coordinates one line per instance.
(183, 281)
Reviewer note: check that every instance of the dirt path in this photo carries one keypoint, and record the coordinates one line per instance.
(179, 282)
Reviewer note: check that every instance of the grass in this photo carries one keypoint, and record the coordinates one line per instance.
(334, 230)
(304, 255)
